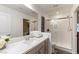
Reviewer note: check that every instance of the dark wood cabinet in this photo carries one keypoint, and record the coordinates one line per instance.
(78, 42)
(42, 24)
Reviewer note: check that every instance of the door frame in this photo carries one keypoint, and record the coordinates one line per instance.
(74, 27)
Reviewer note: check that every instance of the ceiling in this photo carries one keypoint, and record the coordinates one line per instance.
(22, 8)
(47, 10)
(50, 10)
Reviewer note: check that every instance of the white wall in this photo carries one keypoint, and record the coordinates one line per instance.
(11, 21)
(39, 22)
(34, 26)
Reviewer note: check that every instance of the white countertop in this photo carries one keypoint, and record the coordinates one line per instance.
(22, 46)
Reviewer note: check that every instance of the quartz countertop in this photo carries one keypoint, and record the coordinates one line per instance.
(22, 46)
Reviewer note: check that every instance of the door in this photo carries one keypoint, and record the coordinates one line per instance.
(42, 24)
(78, 42)
(25, 27)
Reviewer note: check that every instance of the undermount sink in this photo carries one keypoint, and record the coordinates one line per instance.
(25, 41)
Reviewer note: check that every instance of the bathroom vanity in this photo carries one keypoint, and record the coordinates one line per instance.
(41, 48)
(34, 45)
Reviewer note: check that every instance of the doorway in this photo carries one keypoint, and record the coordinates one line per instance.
(42, 24)
(25, 27)
(78, 32)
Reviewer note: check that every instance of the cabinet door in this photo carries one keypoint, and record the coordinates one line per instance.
(39, 49)
(78, 42)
